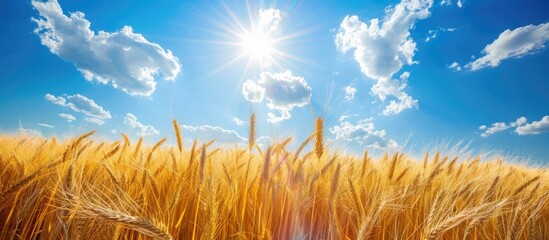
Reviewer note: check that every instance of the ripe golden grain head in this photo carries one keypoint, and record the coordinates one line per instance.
(178, 135)
(319, 137)
(251, 138)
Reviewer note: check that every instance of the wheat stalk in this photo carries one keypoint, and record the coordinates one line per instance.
(156, 146)
(471, 213)
(202, 162)
(393, 166)
(525, 185)
(136, 223)
(319, 137)
(178, 135)
(138, 147)
(251, 139)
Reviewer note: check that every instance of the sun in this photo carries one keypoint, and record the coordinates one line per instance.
(260, 44)
(257, 45)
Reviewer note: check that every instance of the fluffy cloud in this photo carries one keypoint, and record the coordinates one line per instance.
(142, 130)
(82, 104)
(501, 126)
(496, 127)
(535, 127)
(383, 47)
(455, 66)
(283, 91)
(514, 43)
(458, 3)
(124, 59)
(269, 20)
(389, 87)
(207, 133)
(253, 92)
(239, 121)
(68, 117)
(350, 92)
(364, 133)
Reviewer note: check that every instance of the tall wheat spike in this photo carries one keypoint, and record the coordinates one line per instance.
(139, 224)
(202, 162)
(251, 139)
(319, 137)
(178, 135)
(138, 147)
(126, 140)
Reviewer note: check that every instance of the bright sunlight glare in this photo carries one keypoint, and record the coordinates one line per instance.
(258, 45)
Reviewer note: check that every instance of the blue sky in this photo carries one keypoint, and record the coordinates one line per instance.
(386, 75)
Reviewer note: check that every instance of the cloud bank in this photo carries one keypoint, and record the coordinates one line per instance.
(364, 133)
(269, 20)
(382, 47)
(283, 91)
(140, 129)
(535, 127)
(207, 133)
(510, 44)
(78, 103)
(123, 59)
(521, 125)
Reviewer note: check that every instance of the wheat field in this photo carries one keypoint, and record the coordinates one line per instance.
(85, 189)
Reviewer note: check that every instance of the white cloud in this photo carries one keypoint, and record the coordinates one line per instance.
(45, 125)
(56, 100)
(68, 117)
(501, 126)
(519, 122)
(446, 2)
(79, 103)
(390, 87)
(269, 20)
(458, 3)
(535, 127)
(264, 141)
(350, 92)
(239, 121)
(207, 133)
(253, 92)
(434, 33)
(345, 117)
(383, 46)
(455, 66)
(283, 91)
(141, 130)
(97, 121)
(114, 131)
(364, 133)
(496, 127)
(124, 59)
(514, 43)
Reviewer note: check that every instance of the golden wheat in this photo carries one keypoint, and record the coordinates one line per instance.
(73, 190)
